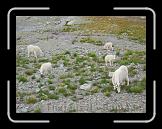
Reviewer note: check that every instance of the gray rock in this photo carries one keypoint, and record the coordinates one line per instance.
(86, 86)
(18, 38)
(44, 88)
(37, 90)
(51, 92)
(79, 96)
(24, 110)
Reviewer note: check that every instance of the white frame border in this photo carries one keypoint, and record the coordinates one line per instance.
(154, 48)
(8, 48)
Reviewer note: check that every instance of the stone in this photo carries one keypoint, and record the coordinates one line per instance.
(86, 86)
(79, 96)
(51, 92)
(18, 38)
(37, 90)
(24, 109)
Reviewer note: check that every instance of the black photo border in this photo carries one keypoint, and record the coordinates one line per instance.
(147, 117)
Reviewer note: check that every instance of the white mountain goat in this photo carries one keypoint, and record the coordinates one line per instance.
(34, 50)
(45, 68)
(108, 46)
(119, 77)
(110, 59)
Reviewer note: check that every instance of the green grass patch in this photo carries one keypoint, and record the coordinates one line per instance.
(43, 60)
(114, 109)
(94, 89)
(104, 75)
(61, 84)
(82, 80)
(107, 93)
(61, 56)
(21, 61)
(72, 87)
(92, 54)
(31, 99)
(104, 81)
(93, 68)
(132, 56)
(91, 40)
(132, 71)
(107, 90)
(43, 94)
(66, 81)
(67, 75)
(57, 57)
(30, 71)
(120, 26)
(21, 94)
(69, 29)
(129, 52)
(21, 42)
(137, 87)
(66, 62)
(80, 59)
(37, 110)
(37, 65)
(124, 62)
(63, 91)
(22, 78)
(100, 59)
(53, 96)
(49, 81)
(117, 52)
(75, 54)
(51, 87)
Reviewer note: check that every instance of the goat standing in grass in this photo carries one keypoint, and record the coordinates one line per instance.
(110, 59)
(119, 77)
(34, 50)
(108, 46)
(45, 68)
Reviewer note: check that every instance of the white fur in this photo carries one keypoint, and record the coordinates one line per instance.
(110, 59)
(34, 50)
(119, 77)
(45, 68)
(108, 46)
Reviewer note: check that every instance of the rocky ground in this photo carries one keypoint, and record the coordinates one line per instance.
(50, 35)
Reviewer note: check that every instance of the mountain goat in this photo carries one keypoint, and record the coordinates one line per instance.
(45, 68)
(34, 50)
(108, 46)
(119, 77)
(110, 59)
